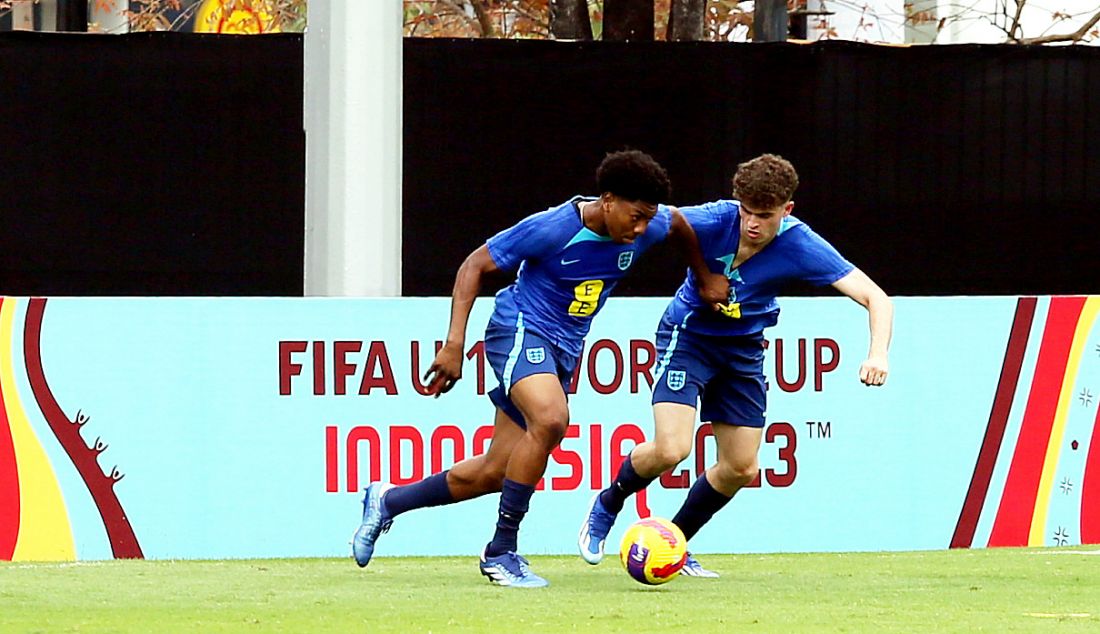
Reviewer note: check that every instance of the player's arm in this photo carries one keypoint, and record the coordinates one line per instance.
(446, 369)
(714, 288)
(880, 318)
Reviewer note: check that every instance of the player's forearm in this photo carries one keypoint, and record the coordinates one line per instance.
(467, 284)
(880, 320)
(880, 310)
(683, 236)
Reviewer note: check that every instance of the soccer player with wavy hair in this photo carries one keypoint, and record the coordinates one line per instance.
(714, 359)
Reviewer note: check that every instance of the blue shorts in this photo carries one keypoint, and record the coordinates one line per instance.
(515, 353)
(726, 373)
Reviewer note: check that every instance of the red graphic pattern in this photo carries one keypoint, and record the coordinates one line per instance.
(9, 489)
(669, 569)
(9, 485)
(1013, 521)
(1090, 489)
(998, 421)
(662, 530)
(124, 543)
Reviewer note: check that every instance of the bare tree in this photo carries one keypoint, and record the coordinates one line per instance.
(932, 21)
(1015, 30)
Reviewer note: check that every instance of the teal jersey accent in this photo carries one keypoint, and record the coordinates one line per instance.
(565, 271)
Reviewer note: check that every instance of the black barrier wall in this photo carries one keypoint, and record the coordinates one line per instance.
(173, 164)
(939, 170)
(151, 164)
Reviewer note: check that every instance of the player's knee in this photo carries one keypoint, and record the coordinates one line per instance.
(463, 480)
(549, 427)
(742, 474)
(670, 454)
(738, 474)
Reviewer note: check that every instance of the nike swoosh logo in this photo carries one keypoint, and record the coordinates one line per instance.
(568, 262)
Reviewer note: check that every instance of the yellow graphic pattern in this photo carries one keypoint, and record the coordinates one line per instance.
(731, 310)
(587, 296)
(44, 530)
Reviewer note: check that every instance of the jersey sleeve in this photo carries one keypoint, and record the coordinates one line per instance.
(711, 219)
(820, 263)
(532, 238)
(658, 228)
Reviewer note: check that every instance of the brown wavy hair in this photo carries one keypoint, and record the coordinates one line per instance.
(765, 182)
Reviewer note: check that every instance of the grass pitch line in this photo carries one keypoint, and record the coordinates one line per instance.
(62, 564)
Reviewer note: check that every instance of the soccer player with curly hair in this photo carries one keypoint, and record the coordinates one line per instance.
(567, 260)
(715, 358)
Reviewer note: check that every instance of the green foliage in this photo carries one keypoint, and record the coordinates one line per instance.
(995, 590)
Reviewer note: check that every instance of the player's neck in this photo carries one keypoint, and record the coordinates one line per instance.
(746, 251)
(591, 217)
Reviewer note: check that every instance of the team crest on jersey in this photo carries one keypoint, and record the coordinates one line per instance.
(676, 379)
(536, 355)
(625, 259)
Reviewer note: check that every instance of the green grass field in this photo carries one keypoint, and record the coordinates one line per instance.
(997, 590)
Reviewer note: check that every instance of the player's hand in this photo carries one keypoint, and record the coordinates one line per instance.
(445, 371)
(873, 371)
(714, 289)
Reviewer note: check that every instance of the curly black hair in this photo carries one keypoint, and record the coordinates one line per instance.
(765, 182)
(633, 175)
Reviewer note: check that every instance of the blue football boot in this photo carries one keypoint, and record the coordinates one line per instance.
(692, 568)
(375, 522)
(510, 570)
(597, 524)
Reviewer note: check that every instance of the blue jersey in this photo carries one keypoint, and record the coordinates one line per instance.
(796, 254)
(566, 271)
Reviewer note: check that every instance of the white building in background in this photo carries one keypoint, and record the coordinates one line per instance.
(963, 21)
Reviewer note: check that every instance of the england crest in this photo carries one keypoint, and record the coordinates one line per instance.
(676, 379)
(625, 259)
(535, 355)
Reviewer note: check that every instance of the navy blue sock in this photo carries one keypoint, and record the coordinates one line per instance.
(701, 504)
(514, 500)
(626, 483)
(431, 491)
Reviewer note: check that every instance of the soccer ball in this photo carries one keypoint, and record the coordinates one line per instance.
(653, 551)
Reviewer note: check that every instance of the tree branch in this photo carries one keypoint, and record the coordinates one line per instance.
(1076, 36)
(483, 18)
(186, 13)
(1015, 26)
(459, 11)
(538, 18)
